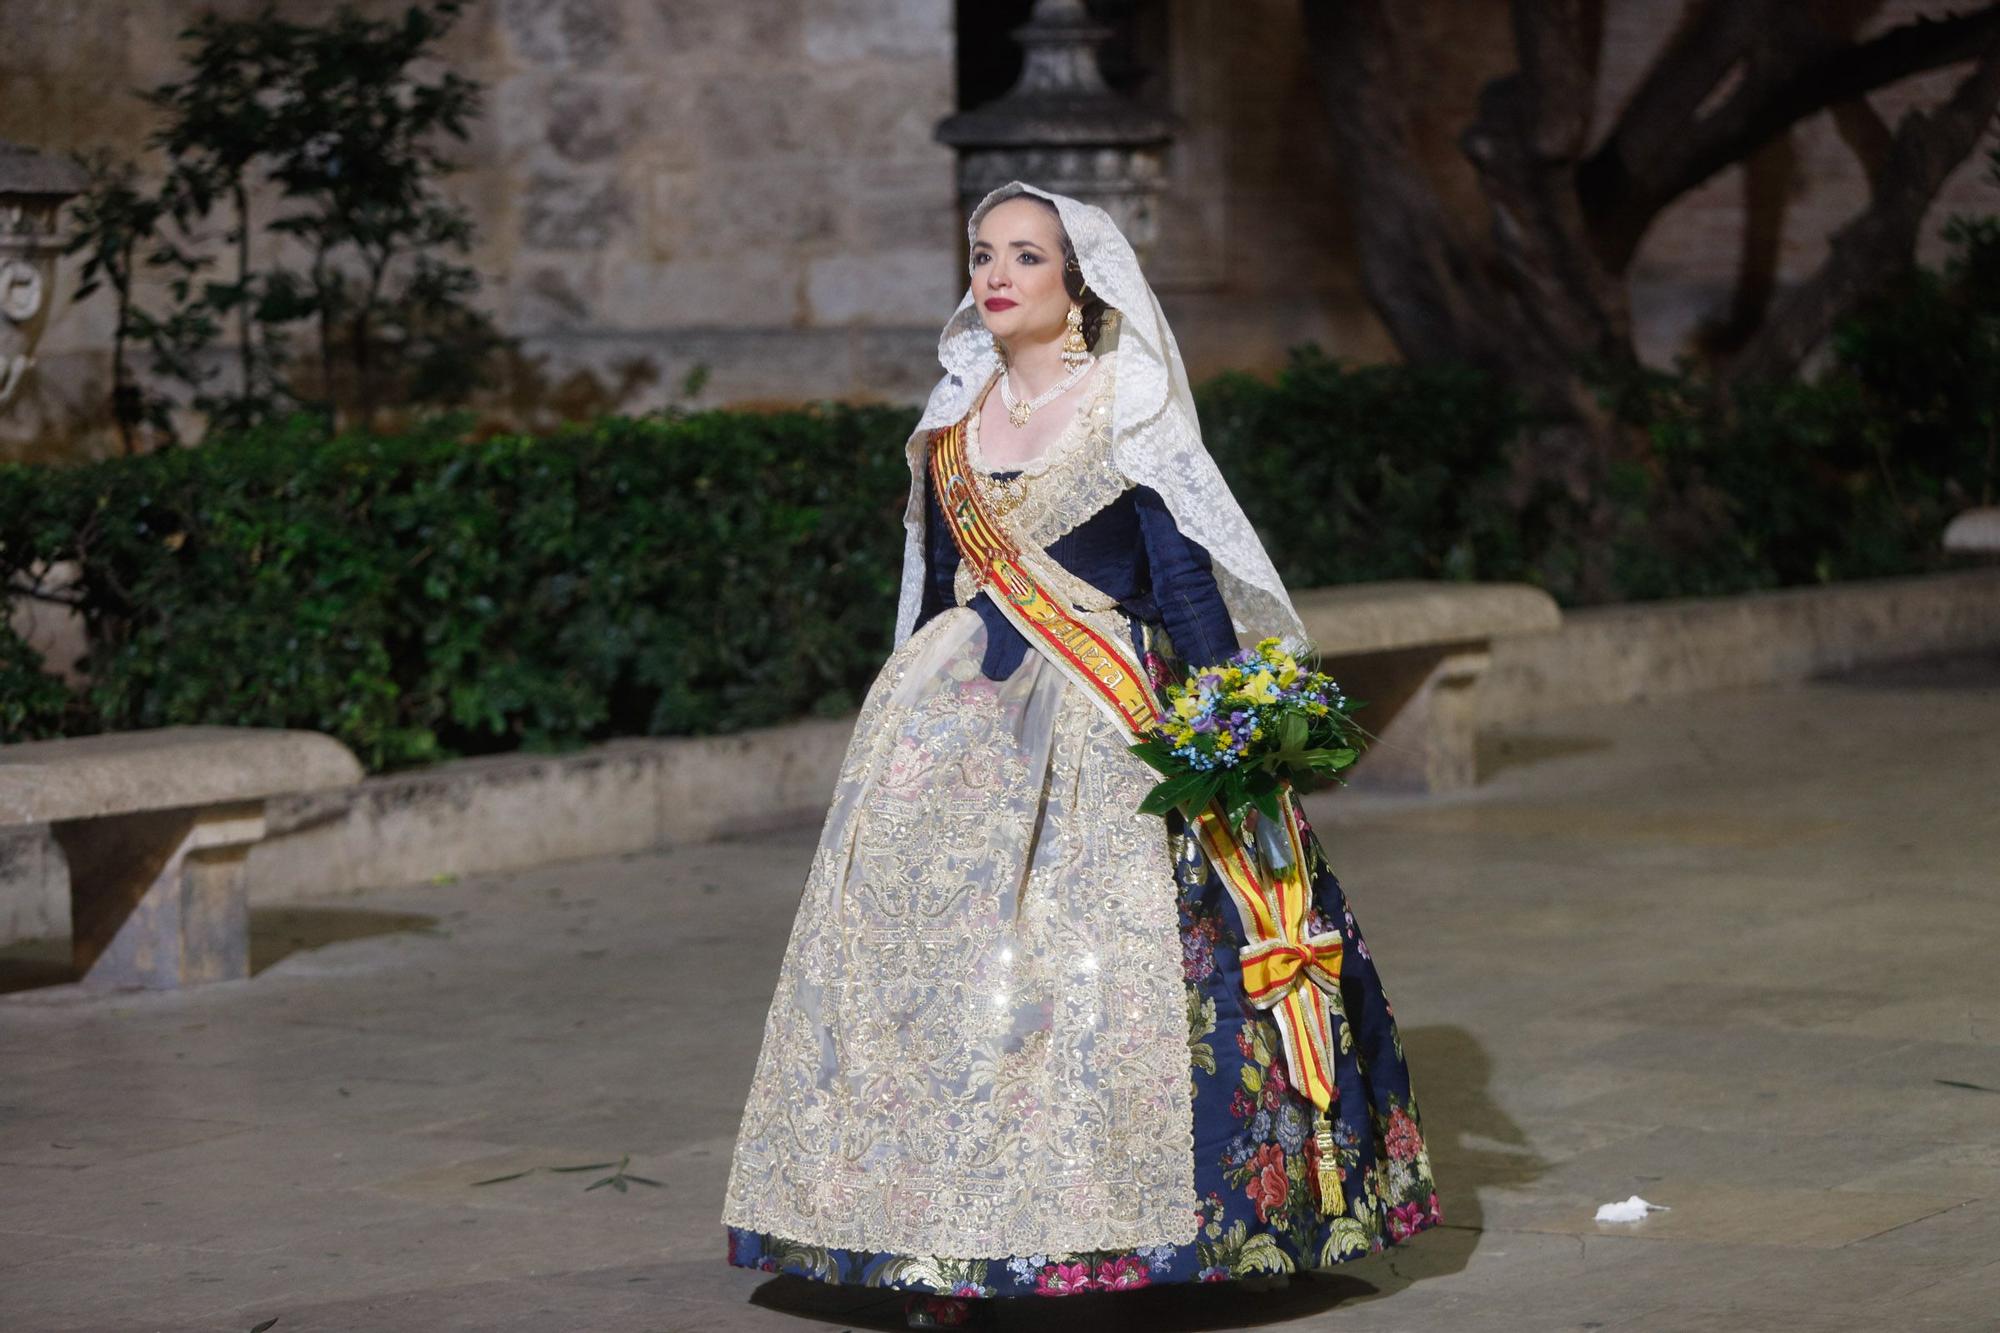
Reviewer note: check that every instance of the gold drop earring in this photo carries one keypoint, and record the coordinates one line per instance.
(1074, 349)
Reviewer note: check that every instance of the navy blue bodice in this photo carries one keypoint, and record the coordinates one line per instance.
(1130, 550)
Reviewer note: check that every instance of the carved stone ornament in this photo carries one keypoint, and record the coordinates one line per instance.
(1062, 127)
(33, 188)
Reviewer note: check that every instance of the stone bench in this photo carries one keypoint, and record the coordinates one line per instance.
(1974, 532)
(155, 826)
(1414, 650)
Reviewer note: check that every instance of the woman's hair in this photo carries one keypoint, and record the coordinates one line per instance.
(1094, 307)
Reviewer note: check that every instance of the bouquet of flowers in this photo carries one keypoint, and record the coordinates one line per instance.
(1243, 730)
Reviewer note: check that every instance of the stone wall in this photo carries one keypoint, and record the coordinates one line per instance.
(749, 186)
(752, 186)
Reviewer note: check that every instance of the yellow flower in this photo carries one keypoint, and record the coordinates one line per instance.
(1262, 688)
(1187, 708)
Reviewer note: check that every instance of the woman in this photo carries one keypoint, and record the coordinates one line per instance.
(1011, 1052)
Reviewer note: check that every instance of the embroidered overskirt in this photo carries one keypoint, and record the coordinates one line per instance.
(1242, 1161)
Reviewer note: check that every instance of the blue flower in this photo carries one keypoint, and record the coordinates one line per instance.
(1291, 1129)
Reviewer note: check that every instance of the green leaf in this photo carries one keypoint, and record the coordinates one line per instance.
(1236, 807)
(1159, 756)
(1175, 791)
(500, 1179)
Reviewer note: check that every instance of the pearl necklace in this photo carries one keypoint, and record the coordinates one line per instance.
(1018, 412)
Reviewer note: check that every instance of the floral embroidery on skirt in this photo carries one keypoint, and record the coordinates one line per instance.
(1255, 1155)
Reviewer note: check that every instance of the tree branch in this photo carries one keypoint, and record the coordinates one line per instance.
(1877, 245)
(1792, 66)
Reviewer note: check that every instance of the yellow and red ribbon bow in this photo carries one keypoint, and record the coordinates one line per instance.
(1273, 968)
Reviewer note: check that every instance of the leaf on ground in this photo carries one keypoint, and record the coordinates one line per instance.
(498, 1179)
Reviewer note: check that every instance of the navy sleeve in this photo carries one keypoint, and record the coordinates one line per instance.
(1184, 587)
(940, 558)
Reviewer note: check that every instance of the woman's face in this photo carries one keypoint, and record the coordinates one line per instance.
(1017, 282)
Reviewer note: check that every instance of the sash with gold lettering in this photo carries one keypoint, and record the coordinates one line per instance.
(1293, 974)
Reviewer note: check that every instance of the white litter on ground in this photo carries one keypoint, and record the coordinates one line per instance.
(1633, 1209)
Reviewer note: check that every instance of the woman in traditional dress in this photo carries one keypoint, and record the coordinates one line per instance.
(1011, 1051)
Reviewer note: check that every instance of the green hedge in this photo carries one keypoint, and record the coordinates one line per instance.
(425, 595)
(421, 596)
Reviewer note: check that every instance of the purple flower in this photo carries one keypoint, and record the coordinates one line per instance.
(1198, 953)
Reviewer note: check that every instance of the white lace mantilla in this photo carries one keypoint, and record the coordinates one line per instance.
(1156, 438)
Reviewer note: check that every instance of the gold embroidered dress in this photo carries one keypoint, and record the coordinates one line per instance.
(978, 1044)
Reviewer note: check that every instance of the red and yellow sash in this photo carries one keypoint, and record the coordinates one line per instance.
(1285, 970)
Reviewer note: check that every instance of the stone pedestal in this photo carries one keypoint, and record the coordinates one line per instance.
(1414, 651)
(1422, 707)
(158, 899)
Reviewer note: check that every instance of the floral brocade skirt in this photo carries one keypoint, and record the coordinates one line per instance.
(1255, 1156)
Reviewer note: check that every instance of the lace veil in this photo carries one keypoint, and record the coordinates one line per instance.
(1156, 439)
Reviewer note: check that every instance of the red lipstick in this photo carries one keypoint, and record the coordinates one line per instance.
(1000, 303)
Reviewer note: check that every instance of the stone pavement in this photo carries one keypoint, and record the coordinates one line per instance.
(1733, 953)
